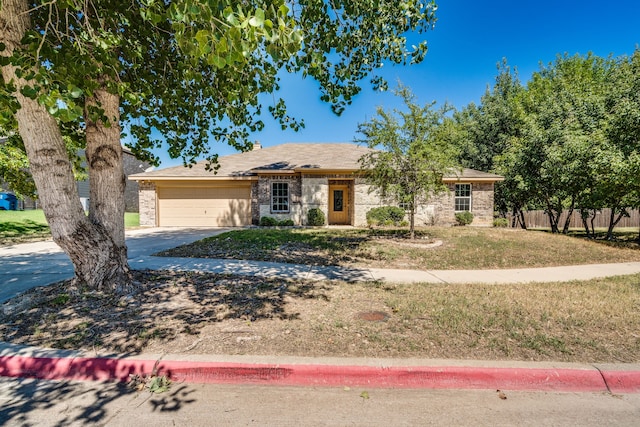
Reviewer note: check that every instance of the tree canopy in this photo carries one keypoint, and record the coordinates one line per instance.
(567, 140)
(414, 153)
(74, 72)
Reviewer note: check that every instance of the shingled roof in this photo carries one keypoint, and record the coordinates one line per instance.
(284, 158)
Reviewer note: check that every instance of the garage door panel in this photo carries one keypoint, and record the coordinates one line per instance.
(204, 207)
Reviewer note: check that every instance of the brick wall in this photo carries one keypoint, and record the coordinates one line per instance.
(264, 198)
(482, 203)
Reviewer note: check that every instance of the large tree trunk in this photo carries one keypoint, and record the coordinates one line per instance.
(98, 259)
(106, 184)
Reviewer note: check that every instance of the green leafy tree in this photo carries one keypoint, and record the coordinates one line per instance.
(622, 131)
(190, 70)
(14, 167)
(563, 110)
(486, 131)
(413, 153)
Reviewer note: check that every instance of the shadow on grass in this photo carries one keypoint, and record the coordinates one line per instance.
(621, 239)
(12, 231)
(167, 304)
(317, 247)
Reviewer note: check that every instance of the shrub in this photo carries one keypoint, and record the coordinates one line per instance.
(501, 222)
(267, 221)
(385, 215)
(315, 217)
(285, 223)
(464, 218)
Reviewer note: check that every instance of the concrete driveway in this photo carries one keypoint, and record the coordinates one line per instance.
(28, 265)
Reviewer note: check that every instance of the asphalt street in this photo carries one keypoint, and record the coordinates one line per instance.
(62, 403)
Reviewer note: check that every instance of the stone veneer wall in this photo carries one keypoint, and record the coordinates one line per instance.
(364, 200)
(255, 203)
(437, 211)
(315, 194)
(147, 203)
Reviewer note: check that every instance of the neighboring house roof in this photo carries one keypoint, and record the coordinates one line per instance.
(285, 159)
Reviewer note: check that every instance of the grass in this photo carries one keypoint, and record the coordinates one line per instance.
(462, 248)
(594, 319)
(23, 226)
(203, 313)
(31, 225)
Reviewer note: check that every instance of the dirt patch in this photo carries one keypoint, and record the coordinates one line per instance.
(194, 313)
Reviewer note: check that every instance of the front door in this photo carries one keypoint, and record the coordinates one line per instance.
(339, 205)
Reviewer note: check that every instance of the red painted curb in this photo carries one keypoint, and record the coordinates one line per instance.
(81, 369)
(447, 377)
(622, 381)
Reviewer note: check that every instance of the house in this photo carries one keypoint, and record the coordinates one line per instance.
(131, 165)
(287, 180)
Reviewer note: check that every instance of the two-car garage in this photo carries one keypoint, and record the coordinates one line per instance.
(210, 204)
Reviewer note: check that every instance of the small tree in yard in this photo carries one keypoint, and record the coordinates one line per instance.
(415, 155)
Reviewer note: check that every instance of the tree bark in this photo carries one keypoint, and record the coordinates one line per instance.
(97, 258)
(614, 220)
(584, 215)
(567, 221)
(107, 182)
(412, 220)
(523, 222)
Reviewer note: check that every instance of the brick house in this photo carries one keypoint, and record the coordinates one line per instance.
(287, 180)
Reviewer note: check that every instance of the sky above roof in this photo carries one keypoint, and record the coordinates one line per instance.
(469, 40)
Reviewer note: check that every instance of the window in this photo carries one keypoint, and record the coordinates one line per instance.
(338, 200)
(463, 197)
(279, 197)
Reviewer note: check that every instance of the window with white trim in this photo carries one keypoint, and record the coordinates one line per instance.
(462, 201)
(279, 197)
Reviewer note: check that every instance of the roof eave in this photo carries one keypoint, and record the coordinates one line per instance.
(471, 179)
(191, 178)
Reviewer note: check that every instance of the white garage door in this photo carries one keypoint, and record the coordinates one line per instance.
(204, 206)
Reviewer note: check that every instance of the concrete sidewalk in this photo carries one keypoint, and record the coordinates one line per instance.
(307, 272)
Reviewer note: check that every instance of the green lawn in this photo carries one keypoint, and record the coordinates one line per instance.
(31, 225)
(462, 248)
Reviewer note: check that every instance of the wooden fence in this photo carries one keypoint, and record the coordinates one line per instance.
(539, 219)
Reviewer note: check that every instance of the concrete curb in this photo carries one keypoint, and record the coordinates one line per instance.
(586, 378)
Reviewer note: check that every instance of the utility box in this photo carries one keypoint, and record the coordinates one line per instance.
(8, 202)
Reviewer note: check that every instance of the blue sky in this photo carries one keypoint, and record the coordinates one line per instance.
(469, 39)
